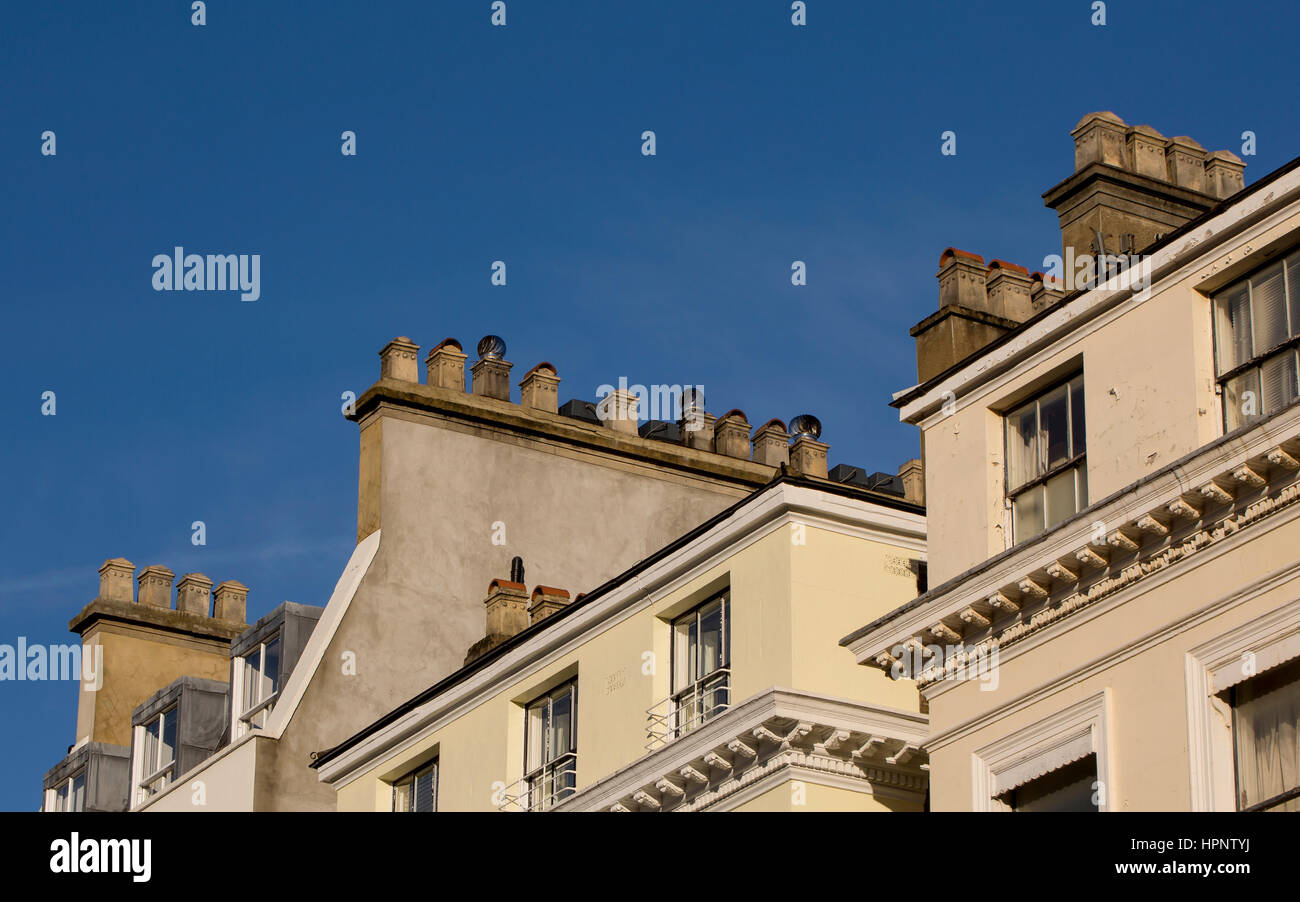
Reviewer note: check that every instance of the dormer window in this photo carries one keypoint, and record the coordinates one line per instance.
(158, 753)
(1256, 333)
(1047, 476)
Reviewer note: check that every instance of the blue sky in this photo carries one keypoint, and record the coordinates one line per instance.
(521, 144)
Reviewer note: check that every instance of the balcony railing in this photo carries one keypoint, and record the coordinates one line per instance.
(548, 785)
(683, 711)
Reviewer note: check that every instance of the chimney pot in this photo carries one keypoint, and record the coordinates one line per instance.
(1186, 161)
(156, 586)
(808, 457)
(1099, 138)
(772, 444)
(913, 476)
(1224, 173)
(731, 435)
(398, 360)
(231, 601)
(540, 390)
(545, 602)
(618, 411)
(1008, 289)
(116, 580)
(445, 366)
(490, 375)
(194, 594)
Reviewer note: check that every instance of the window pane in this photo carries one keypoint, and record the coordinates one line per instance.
(151, 730)
(1078, 430)
(1241, 399)
(271, 669)
(79, 792)
(1060, 498)
(402, 795)
(1266, 732)
(710, 638)
(536, 730)
(251, 678)
(561, 726)
(1022, 446)
(1293, 291)
(1053, 418)
(167, 750)
(1268, 309)
(424, 787)
(1277, 378)
(61, 797)
(1081, 485)
(1027, 514)
(1232, 327)
(682, 652)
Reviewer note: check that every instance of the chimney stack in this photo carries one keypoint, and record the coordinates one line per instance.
(491, 372)
(913, 475)
(231, 601)
(156, 586)
(772, 444)
(967, 318)
(116, 576)
(506, 606)
(1131, 185)
(545, 602)
(807, 454)
(398, 360)
(540, 388)
(1009, 291)
(731, 435)
(618, 411)
(445, 366)
(194, 594)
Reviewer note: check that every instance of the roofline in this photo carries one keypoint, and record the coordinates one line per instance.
(783, 478)
(911, 394)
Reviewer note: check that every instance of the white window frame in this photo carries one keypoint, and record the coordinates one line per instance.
(52, 795)
(1272, 639)
(242, 719)
(717, 679)
(539, 780)
(143, 773)
(1076, 464)
(412, 775)
(1083, 724)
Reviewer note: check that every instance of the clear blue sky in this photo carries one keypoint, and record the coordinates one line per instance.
(522, 144)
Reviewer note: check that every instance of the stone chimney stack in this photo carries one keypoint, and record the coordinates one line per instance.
(398, 360)
(156, 586)
(772, 444)
(545, 602)
(913, 475)
(968, 319)
(445, 366)
(194, 594)
(506, 606)
(491, 372)
(540, 388)
(731, 435)
(231, 601)
(1131, 185)
(807, 454)
(618, 411)
(116, 577)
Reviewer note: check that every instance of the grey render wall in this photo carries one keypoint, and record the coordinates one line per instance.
(204, 711)
(576, 517)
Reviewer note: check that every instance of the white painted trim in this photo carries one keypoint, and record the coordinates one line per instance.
(321, 636)
(770, 510)
(1170, 264)
(1209, 725)
(1086, 719)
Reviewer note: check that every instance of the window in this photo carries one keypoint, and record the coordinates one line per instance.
(158, 755)
(71, 793)
(1047, 476)
(701, 665)
(1256, 333)
(1266, 739)
(1070, 788)
(418, 790)
(551, 748)
(261, 682)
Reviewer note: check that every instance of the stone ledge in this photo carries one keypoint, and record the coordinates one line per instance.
(168, 619)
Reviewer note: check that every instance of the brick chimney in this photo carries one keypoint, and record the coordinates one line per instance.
(967, 320)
